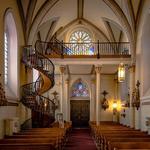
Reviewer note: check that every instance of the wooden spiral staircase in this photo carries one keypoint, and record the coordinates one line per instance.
(32, 93)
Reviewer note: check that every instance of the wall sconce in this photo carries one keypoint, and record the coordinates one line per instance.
(115, 105)
(123, 114)
(136, 96)
(121, 72)
(104, 102)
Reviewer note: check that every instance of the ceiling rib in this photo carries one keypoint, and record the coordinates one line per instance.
(110, 32)
(30, 10)
(80, 8)
(51, 29)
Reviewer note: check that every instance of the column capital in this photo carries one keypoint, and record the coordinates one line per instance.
(132, 68)
(67, 81)
(62, 69)
(93, 81)
(98, 69)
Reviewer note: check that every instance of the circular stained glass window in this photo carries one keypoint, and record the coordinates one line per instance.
(81, 43)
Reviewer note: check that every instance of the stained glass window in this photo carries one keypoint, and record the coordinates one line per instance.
(81, 43)
(80, 89)
(6, 49)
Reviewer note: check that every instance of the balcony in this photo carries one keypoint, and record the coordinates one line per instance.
(57, 49)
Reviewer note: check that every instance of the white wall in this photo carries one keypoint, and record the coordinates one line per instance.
(6, 112)
(142, 67)
(107, 83)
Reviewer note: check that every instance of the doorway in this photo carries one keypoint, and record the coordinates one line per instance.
(80, 111)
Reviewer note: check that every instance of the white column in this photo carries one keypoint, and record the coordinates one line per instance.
(92, 100)
(98, 104)
(132, 83)
(62, 70)
(67, 101)
(117, 97)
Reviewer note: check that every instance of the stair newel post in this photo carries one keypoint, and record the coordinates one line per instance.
(62, 49)
(98, 53)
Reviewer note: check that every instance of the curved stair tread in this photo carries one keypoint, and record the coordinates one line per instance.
(32, 92)
(47, 84)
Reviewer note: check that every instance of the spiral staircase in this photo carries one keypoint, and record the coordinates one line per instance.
(32, 93)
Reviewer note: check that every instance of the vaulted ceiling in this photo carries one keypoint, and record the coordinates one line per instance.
(113, 20)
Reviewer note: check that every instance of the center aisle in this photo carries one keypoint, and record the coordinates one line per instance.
(80, 139)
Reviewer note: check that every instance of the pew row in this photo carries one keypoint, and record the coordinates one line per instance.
(112, 136)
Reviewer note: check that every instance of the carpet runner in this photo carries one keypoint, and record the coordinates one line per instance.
(80, 139)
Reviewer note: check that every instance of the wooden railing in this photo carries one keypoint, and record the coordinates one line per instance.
(97, 49)
(32, 93)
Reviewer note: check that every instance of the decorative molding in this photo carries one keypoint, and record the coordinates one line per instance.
(145, 98)
(92, 69)
(145, 103)
(131, 68)
(68, 70)
(98, 69)
(67, 81)
(62, 69)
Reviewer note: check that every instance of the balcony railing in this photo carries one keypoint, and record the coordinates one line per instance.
(95, 49)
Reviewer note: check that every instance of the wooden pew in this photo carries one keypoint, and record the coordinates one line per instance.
(129, 145)
(112, 136)
(26, 146)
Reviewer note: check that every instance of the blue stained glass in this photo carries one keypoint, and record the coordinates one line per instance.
(80, 89)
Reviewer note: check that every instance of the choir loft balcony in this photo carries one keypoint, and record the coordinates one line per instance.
(60, 49)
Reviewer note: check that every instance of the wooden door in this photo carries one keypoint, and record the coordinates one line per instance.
(80, 110)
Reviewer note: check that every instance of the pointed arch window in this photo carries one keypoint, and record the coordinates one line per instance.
(6, 49)
(80, 89)
(10, 56)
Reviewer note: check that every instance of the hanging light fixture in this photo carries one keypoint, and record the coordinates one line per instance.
(121, 72)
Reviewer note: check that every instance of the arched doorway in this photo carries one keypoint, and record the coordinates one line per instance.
(80, 104)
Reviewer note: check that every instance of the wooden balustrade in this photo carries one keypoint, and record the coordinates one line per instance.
(95, 49)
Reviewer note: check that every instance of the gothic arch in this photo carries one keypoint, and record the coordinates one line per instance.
(80, 88)
(38, 18)
(124, 22)
(11, 46)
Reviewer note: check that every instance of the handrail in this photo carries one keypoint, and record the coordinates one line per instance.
(27, 124)
(91, 48)
(32, 92)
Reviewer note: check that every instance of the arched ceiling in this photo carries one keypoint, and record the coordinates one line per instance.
(116, 20)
